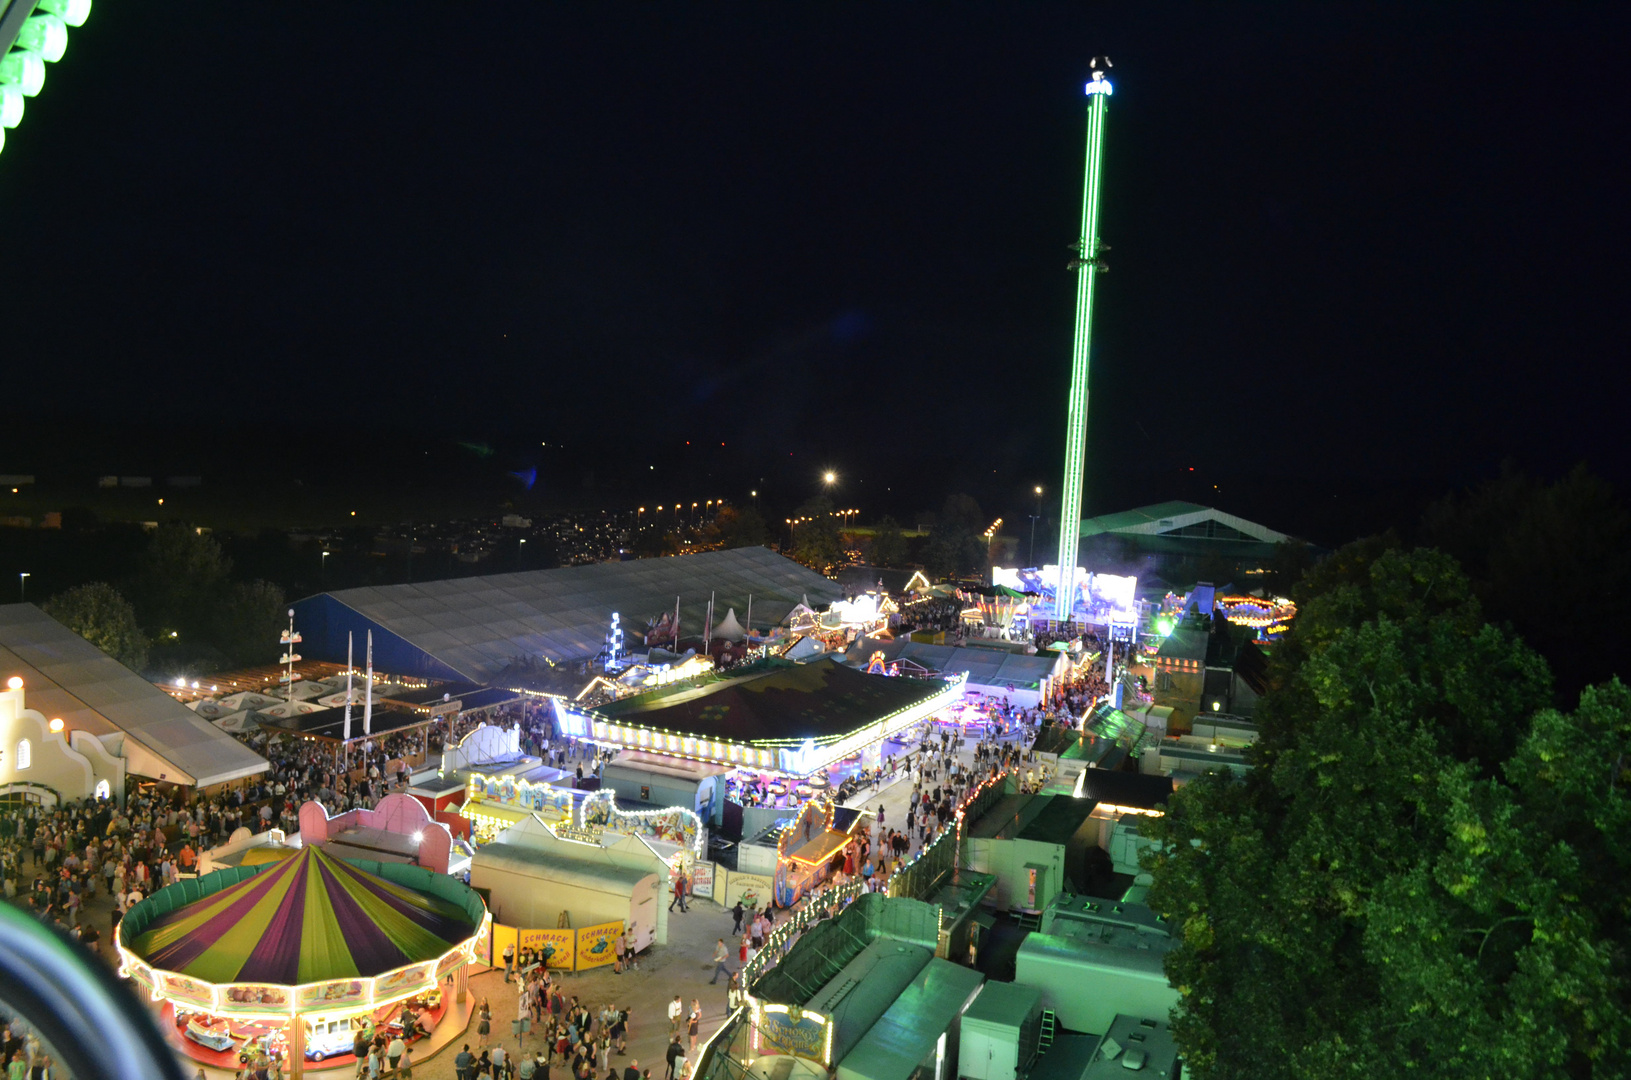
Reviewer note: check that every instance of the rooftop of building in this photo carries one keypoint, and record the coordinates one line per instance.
(478, 626)
(64, 676)
(1181, 519)
(777, 702)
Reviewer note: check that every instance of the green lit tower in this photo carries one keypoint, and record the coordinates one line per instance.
(1087, 267)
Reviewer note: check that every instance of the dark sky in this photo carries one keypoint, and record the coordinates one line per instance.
(1351, 245)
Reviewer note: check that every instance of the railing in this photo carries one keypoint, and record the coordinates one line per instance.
(726, 1053)
(818, 907)
(919, 878)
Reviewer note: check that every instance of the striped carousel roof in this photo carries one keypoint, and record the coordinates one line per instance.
(307, 919)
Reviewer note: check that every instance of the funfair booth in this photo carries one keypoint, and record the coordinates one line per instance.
(777, 718)
(1108, 600)
(295, 957)
(818, 840)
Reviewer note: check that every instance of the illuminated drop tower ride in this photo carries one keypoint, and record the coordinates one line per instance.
(1087, 266)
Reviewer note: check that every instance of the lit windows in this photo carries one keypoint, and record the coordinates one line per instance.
(25, 753)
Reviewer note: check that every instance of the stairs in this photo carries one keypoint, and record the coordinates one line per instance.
(1048, 1027)
(1027, 920)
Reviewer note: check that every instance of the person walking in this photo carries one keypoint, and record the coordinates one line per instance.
(736, 915)
(679, 892)
(720, 952)
(618, 947)
(393, 1052)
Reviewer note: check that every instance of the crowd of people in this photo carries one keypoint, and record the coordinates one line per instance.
(569, 1034)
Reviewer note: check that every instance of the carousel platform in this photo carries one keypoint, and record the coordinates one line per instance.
(452, 1026)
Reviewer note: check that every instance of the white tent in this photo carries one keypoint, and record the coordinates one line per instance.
(208, 709)
(237, 723)
(729, 629)
(305, 691)
(246, 699)
(289, 708)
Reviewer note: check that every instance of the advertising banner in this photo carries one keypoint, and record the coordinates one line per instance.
(557, 946)
(805, 1037)
(502, 936)
(702, 880)
(752, 889)
(596, 945)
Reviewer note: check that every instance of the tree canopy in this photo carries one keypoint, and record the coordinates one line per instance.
(1417, 875)
(888, 544)
(957, 543)
(98, 613)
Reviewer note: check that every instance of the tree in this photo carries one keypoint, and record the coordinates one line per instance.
(1539, 556)
(178, 580)
(888, 544)
(816, 542)
(1318, 901)
(99, 614)
(741, 527)
(957, 542)
(248, 620)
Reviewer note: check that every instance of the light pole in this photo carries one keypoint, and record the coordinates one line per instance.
(521, 552)
(22, 584)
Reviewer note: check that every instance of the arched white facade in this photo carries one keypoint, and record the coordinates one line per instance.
(74, 764)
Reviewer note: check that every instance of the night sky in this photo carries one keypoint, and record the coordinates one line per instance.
(1352, 248)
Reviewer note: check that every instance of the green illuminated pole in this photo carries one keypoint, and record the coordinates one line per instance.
(1087, 267)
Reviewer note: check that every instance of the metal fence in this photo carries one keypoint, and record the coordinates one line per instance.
(920, 878)
(819, 906)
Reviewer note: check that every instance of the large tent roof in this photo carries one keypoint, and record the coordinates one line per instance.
(1181, 519)
(307, 919)
(66, 676)
(476, 626)
(985, 667)
(781, 701)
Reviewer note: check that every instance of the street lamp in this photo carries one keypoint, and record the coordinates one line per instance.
(829, 478)
(22, 584)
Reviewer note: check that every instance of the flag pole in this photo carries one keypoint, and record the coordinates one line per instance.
(368, 700)
(349, 639)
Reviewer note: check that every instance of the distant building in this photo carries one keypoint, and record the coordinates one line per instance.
(1176, 541)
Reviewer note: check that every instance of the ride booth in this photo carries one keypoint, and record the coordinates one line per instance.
(294, 959)
(821, 840)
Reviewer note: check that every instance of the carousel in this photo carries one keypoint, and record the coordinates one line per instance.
(292, 960)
